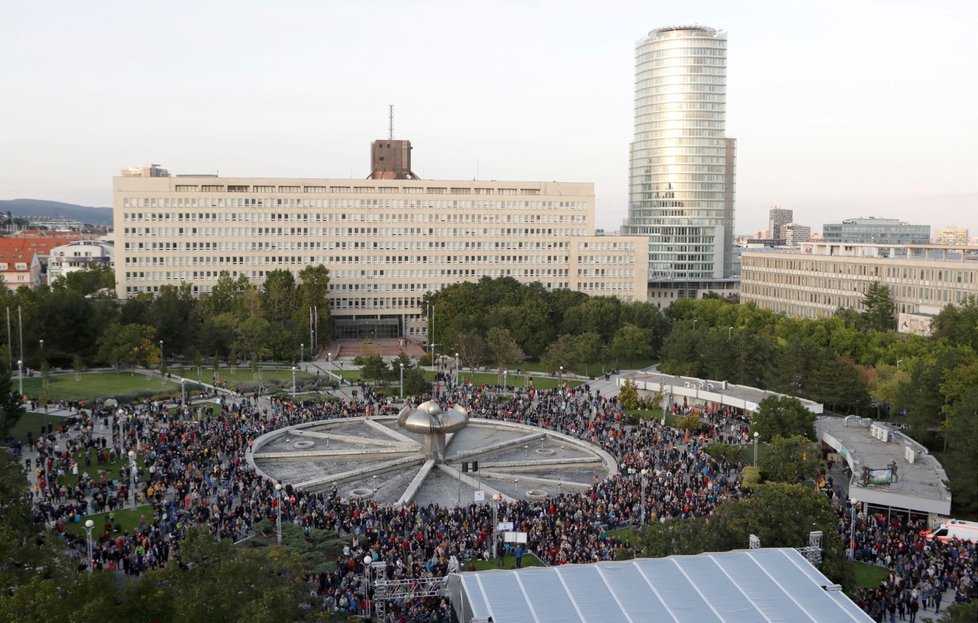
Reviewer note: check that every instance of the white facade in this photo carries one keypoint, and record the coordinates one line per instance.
(385, 242)
(78, 255)
(681, 194)
(819, 278)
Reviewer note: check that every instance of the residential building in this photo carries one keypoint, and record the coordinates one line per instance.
(951, 235)
(778, 218)
(681, 178)
(818, 279)
(385, 241)
(23, 258)
(78, 255)
(875, 230)
(795, 234)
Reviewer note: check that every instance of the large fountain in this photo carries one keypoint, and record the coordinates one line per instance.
(429, 455)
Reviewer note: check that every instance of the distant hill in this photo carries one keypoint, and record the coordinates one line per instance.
(41, 207)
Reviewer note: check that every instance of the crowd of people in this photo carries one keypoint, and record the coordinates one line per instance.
(191, 470)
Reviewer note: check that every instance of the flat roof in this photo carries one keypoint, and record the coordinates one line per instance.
(777, 585)
(919, 485)
(739, 396)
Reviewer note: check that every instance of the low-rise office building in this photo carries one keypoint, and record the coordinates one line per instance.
(386, 240)
(819, 278)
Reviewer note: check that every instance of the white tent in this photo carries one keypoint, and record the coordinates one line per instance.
(744, 586)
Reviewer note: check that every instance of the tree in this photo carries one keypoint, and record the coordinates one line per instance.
(374, 368)
(783, 416)
(251, 338)
(878, 303)
(129, 345)
(628, 395)
(960, 431)
(471, 348)
(789, 459)
(631, 343)
(503, 348)
(11, 406)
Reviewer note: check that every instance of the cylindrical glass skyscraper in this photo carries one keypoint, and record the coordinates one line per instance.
(682, 165)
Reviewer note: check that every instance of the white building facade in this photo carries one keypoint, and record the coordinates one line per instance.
(819, 278)
(79, 255)
(386, 242)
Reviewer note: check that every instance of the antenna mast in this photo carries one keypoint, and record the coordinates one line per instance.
(390, 125)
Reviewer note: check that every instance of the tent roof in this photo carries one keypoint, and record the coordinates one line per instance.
(773, 584)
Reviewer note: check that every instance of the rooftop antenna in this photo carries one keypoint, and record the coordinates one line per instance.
(390, 125)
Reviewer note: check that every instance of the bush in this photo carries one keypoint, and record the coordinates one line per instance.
(722, 452)
(752, 477)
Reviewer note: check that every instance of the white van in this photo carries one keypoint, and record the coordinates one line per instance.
(954, 529)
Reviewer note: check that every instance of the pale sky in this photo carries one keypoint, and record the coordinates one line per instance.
(841, 108)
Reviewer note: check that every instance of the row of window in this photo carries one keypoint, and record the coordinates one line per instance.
(348, 203)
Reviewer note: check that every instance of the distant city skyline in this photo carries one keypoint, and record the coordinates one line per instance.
(840, 109)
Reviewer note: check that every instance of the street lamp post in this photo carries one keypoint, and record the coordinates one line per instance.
(458, 364)
(293, 381)
(132, 479)
(161, 361)
(852, 530)
(694, 323)
(560, 379)
(278, 509)
(644, 483)
(505, 382)
(329, 362)
(20, 377)
(729, 331)
(302, 350)
(89, 524)
(402, 379)
(516, 482)
(756, 435)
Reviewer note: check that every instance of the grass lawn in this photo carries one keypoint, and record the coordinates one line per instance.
(127, 519)
(33, 422)
(512, 380)
(245, 375)
(509, 562)
(868, 576)
(95, 385)
(349, 375)
(110, 469)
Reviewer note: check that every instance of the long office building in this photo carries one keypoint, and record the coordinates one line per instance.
(681, 182)
(874, 230)
(386, 240)
(819, 278)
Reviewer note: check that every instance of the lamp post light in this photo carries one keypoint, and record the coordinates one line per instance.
(293, 381)
(132, 479)
(20, 377)
(89, 524)
(756, 435)
(278, 509)
(329, 362)
(729, 331)
(852, 529)
(402, 379)
(302, 350)
(560, 379)
(645, 473)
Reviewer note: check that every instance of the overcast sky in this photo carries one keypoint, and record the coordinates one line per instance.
(841, 108)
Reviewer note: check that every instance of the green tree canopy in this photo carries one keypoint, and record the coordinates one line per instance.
(782, 416)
